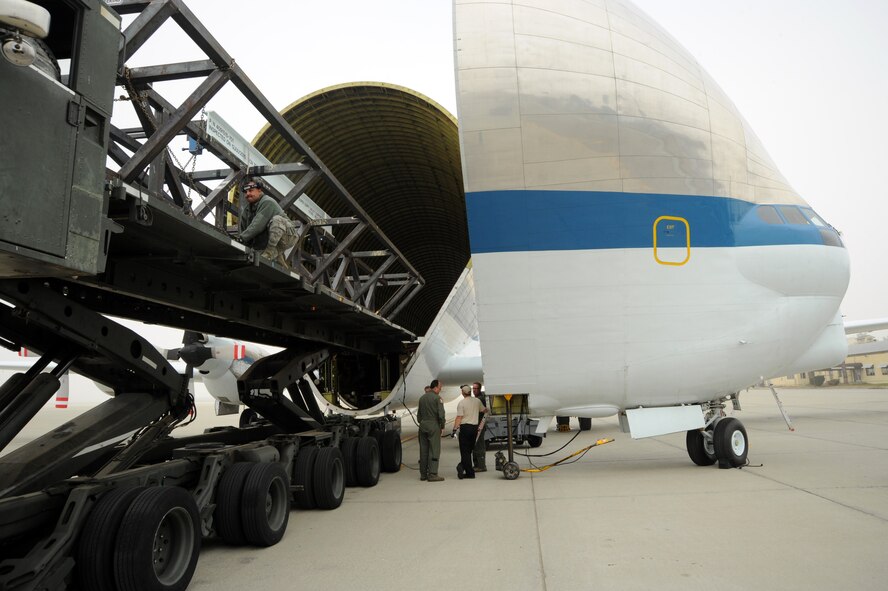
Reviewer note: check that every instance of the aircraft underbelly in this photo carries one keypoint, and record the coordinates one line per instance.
(612, 328)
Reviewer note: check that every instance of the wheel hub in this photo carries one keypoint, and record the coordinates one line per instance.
(173, 541)
(738, 443)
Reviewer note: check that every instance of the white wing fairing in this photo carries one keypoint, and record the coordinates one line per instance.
(632, 242)
(855, 326)
(449, 352)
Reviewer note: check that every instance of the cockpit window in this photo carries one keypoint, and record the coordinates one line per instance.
(793, 215)
(768, 214)
(815, 219)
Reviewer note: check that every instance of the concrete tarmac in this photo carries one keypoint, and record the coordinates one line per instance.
(809, 512)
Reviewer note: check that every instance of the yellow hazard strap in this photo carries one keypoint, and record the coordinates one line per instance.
(574, 454)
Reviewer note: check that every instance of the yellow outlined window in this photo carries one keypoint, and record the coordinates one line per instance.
(672, 232)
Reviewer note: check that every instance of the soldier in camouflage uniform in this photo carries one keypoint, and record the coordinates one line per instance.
(264, 226)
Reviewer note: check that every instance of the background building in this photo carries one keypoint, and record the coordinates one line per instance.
(866, 363)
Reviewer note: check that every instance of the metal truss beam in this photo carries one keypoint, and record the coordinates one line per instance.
(323, 261)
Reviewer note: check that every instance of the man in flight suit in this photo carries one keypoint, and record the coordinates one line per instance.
(430, 414)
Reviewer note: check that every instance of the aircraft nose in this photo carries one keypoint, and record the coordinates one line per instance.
(784, 251)
(797, 270)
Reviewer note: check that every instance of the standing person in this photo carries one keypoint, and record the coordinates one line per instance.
(468, 413)
(430, 413)
(263, 225)
(479, 452)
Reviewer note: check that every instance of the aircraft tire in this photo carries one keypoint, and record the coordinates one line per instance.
(95, 549)
(367, 461)
(391, 451)
(349, 456)
(328, 478)
(731, 442)
(159, 541)
(227, 515)
(534, 440)
(247, 417)
(302, 475)
(695, 443)
(265, 504)
(585, 423)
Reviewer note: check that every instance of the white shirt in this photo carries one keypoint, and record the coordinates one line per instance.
(468, 408)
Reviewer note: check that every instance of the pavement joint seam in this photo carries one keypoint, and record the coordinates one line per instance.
(827, 499)
(536, 519)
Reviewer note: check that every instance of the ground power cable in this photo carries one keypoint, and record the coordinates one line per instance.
(577, 456)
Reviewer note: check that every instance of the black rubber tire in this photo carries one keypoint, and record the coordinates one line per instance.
(265, 504)
(159, 541)
(731, 442)
(534, 440)
(227, 515)
(562, 420)
(511, 470)
(302, 475)
(367, 464)
(694, 441)
(349, 458)
(247, 418)
(391, 451)
(95, 548)
(328, 478)
(585, 423)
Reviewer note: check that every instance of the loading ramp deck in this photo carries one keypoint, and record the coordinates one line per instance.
(130, 242)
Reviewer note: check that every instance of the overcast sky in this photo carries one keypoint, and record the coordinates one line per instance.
(810, 76)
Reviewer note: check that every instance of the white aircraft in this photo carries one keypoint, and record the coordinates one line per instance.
(217, 363)
(635, 251)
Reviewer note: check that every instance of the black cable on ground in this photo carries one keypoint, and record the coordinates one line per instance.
(551, 452)
(577, 455)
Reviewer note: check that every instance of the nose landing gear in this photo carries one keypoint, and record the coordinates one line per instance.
(731, 443)
(723, 440)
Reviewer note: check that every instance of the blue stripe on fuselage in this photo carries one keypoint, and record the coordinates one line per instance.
(513, 221)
